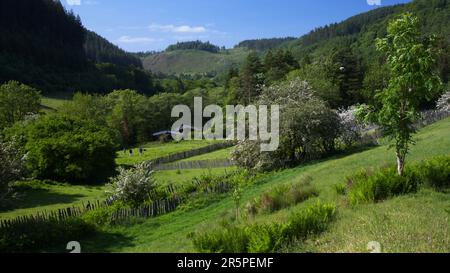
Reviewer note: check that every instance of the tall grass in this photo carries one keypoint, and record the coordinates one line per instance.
(373, 186)
(265, 238)
(282, 196)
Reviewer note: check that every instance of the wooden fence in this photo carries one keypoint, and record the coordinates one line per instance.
(59, 215)
(199, 164)
(195, 152)
(177, 195)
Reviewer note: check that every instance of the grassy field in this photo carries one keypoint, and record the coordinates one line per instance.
(220, 154)
(156, 149)
(178, 177)
(40, 196)
(417, 222)
(52, 103)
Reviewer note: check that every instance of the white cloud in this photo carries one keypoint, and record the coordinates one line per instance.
(136, 40)
(73, 2)
(177, 29)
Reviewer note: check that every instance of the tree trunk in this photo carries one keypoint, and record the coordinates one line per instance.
(400, 163)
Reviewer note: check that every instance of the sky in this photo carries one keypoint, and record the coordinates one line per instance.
(147, 25)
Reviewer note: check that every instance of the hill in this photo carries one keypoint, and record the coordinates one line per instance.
(264, 44)
(351, 40)
(45, 46)
(194, 61)
(393, 222)
(100, 50)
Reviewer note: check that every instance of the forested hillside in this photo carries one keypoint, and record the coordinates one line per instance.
(47, 47)
(100, 50)
(341, 59)
(264, 44)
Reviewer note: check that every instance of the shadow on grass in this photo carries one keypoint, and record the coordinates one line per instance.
(32, 198)
(106, 242)
(100, 242)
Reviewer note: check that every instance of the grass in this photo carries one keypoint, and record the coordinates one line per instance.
(155, 150)
(194, 61)
(39, 196)
(176, 177)
(52, 103)
(220, 154)
(416, 222)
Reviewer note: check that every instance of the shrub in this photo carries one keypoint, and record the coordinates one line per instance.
(435, 172)
(443, 103)
(264, 238)
(350, 127)
(308, 129)
(17, 101)
(341, 189)
(26, 238)
(224, 240)
(67, 149)
(132, 186)
(313, 220)
(369, 187)
(102, 215)
(11, 167)
(282, 197)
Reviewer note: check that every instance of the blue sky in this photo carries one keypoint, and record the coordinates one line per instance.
(141, 25)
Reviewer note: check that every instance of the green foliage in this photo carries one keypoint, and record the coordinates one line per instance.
(17, 101)
(194, 45)
(283, 196)
(11, 167)
(277, 65)
(67, 149)
(100, 50)
(264, 44)
(265, 238)
(251, 79)
(340, 189)
(59, 55)
(308, 129)
(413, 78)
(366, 187)
(435, 173)
(132, 186)
(370, 187)
(23, 238)
(102, 216)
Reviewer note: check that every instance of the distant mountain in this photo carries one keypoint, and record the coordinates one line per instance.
(355, 34)
(194, 45)
(194, 61)
(45, 46)
(264, 44)
(100, 50)
(359, 32)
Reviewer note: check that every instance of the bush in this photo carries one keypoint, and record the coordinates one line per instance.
(435, 173)
(132, 186)
(443, 103)
(282, 197)
(367, 187)
(11, 167)
(308, 129)
(313, 220)
(370, 187)
(17, 101)
(26, 238)
(341, 189)
(350, 127)
(67, 149)
(265, 238)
